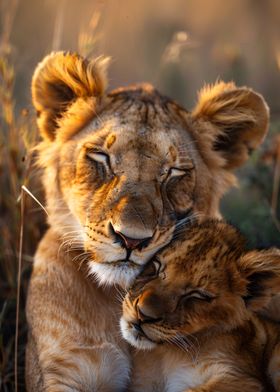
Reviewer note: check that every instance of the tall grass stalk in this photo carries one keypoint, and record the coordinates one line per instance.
(19, 284)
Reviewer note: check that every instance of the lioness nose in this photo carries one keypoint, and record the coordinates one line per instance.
(130, 243)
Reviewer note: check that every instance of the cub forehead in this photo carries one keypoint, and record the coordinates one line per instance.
(182, 269)
(206, 249)
(185, 253)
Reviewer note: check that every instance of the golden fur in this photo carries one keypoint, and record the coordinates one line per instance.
(122, 172)
(198, 297)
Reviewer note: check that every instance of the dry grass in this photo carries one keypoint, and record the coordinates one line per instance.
(21, 217)
(18, 137)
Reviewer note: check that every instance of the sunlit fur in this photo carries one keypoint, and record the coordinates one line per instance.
(199, 309)
(147, 138)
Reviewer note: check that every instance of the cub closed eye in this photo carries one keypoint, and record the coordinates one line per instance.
(200, 295)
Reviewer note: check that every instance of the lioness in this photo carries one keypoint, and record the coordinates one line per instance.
(198, 297)
(122, 171)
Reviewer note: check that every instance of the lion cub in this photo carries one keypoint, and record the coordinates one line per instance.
(198, 297)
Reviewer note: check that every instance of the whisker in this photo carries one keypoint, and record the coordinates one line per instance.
(80, 255)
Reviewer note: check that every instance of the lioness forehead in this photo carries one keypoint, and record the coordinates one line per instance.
(141, 110)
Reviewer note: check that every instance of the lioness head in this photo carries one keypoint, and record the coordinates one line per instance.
(204, 281)
(124, 170)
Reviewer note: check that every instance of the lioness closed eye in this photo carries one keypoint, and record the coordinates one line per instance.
(122, 171)
(198, 297)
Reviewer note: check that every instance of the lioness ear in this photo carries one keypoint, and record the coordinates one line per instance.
(261, 270)
(237, 119)
(61, 79)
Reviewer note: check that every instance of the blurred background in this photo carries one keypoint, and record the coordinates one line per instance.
(178, 45)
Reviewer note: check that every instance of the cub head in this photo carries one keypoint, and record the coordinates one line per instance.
(124, 170)
(204, 281)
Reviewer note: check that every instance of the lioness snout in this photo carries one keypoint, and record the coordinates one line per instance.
(128, 242)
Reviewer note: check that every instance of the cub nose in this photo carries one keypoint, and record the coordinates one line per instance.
(148, 307)
(130, 243)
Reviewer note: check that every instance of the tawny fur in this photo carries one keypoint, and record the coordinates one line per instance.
(194, 307)
(62, 80)
(231, 111)
(72, 345)
(161, 165)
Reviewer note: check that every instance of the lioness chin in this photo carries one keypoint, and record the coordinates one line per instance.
(123, 172)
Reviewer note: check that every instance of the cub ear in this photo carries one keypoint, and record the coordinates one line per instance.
(59, 81)
(236, 118)
(261, 270)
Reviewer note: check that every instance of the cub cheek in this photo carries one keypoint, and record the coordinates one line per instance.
(129, 313)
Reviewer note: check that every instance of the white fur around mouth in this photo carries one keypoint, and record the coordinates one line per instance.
(133, 337)
(122, 273)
